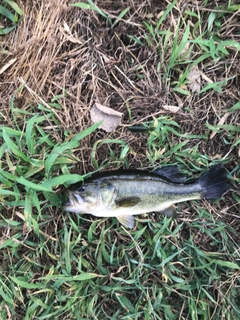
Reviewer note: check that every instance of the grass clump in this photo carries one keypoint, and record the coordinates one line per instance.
(30, 162)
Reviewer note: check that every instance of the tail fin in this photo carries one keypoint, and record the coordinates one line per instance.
(214, 182)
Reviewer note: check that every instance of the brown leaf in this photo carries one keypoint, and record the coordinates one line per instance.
(173, 109)
(194, 79)
(111, 118)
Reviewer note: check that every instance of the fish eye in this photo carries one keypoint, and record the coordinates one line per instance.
(81, 189)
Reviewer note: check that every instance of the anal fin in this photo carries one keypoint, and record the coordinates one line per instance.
(126, 220)
(169, 212)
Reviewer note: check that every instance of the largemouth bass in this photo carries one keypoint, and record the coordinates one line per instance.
(122, 194)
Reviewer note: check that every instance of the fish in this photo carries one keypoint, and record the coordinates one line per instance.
(125, 193)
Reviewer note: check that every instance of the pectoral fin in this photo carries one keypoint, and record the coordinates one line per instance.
(170, 212)
(127, 221)
(127, 202)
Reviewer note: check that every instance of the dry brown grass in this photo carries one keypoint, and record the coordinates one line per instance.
(60, 47)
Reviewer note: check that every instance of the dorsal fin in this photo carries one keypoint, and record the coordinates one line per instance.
(171, 173)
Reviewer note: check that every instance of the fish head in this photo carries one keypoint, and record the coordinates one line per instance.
(91, 197)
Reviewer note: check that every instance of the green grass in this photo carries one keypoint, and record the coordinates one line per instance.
(175, 48)
(33, 165)
(64, 266)
(12, 14)
(80, 267)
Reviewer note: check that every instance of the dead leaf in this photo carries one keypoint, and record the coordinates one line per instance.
(179, 100)
(185, 50)
(111, 118)
(205, 77)
(194, 79)
(68, 34)
(172, 109)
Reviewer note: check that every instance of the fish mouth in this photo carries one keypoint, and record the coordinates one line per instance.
(78, 198)
(75, 198)
(75, 203)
